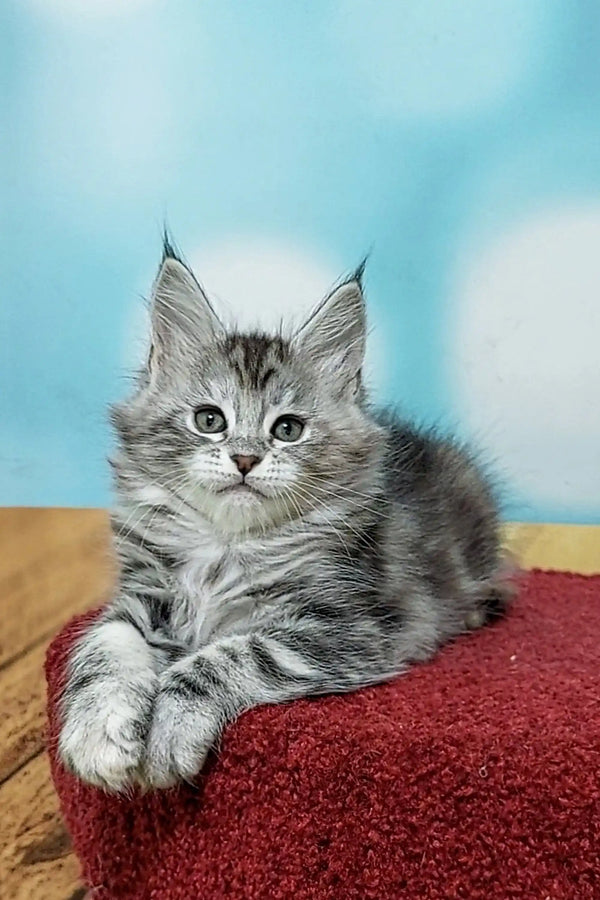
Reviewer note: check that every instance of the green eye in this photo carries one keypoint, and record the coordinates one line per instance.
(210, 420)
(287, 428)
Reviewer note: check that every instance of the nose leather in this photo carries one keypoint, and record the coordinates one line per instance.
(245, 463)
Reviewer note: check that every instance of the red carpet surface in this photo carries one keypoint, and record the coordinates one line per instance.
(474, 776)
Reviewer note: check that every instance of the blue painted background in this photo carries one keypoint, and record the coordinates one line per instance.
(458, 141)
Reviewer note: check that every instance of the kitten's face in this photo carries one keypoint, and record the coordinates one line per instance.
(249, 430)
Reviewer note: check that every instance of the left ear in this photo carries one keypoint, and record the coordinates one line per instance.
(182, 316)
(334, 335)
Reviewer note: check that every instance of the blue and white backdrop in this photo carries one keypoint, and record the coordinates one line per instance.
(459, 142)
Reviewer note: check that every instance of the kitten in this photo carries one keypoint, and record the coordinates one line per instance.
(276, 539)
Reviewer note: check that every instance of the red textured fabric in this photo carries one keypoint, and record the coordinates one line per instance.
(476, 775)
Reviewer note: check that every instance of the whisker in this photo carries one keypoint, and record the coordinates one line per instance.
(328, 520)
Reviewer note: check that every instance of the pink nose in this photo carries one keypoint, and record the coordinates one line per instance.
(245, 463)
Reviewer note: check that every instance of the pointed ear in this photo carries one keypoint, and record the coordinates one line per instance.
(334, 335)
(182, 315)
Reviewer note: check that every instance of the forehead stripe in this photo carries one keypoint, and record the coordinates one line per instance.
(268, 374)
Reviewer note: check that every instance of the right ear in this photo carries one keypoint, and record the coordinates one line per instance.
(182, 316)
(333, 337)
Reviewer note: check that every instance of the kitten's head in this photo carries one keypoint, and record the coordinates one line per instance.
(249, 430)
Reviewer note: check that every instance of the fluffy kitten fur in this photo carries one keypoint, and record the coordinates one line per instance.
(362, 547)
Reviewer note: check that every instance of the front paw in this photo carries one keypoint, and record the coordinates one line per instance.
(103, 735)
(186, 723)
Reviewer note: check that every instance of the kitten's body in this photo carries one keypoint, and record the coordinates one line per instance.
(368, 546)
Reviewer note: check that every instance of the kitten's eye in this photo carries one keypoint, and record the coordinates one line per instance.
(210, 420)
(287, 428)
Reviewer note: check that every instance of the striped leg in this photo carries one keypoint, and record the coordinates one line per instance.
(202, 692)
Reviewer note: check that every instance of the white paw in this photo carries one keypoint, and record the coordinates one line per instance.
(102, 737)
(184, 728)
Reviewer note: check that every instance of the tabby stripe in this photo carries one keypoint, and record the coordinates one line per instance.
(188, 685)
(132, 540)
(268, 667)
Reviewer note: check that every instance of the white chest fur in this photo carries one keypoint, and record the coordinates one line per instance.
(222, 586)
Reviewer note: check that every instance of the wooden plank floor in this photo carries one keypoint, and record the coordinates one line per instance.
(53, 564)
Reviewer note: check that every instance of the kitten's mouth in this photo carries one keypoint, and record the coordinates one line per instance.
(241, 488)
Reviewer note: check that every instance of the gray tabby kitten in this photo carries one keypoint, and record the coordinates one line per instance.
(276, 539)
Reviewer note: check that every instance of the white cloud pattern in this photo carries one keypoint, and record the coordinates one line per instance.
(526, 355)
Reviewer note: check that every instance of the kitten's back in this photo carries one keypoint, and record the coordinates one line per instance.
(448, 500)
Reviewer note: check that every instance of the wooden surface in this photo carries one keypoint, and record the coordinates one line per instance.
(53, 564)
(569, 547)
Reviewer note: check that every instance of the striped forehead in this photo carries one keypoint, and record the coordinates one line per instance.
(256, 360)
(252, 374)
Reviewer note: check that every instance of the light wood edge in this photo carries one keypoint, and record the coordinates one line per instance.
(574, 548)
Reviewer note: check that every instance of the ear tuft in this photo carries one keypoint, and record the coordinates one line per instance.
(169, 247)
(360, 272)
